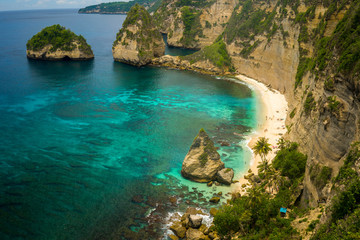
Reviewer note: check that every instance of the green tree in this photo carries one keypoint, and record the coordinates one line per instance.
(262, 148)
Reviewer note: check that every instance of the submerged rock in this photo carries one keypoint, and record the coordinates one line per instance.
(58, 43)
(214, 200)
(202, 162)
(138, 41)
(225, 176)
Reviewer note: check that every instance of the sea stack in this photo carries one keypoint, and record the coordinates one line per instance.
(202, 162)
(58, 43)
(138, 41)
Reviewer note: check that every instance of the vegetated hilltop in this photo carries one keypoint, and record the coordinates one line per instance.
(120, 7)
(310, 51)
(138, 41)
(58, 43)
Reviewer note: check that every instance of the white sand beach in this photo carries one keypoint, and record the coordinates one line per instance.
(275, 110)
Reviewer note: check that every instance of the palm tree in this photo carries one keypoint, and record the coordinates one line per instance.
(262, 148)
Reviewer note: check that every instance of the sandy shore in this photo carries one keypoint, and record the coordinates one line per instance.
(275, 110)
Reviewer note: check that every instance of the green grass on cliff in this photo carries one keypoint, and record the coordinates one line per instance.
(340, 51)
(146, 33)
(215, 53)
(345, 206)
(191, 21)
(60, 38)
(248, 22)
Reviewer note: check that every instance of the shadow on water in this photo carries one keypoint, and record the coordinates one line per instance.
(58, 73)
(141, 78)
(176, 51)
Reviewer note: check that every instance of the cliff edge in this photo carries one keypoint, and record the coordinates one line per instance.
(138, 41)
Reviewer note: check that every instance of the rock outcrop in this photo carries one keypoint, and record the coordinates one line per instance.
(206, 66)
(58, 43)
(193, 24)
(225, 176)
(202, 162)
(190, 226)
(138, 41)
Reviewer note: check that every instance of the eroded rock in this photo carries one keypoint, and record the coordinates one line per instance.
(225, 176)
(138, 41)
(202, 161)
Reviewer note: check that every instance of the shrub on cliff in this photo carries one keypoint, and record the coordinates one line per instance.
(290, 162)
(215, 53)
(255, 216)
(59, 38)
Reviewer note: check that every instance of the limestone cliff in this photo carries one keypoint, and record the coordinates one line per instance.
(138, 41)
(292, 47)
(58, 43)
(202, 162)
(308, 51)
(193, 24)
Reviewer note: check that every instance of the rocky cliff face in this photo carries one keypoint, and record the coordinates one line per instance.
(296, 48)
(138, 41)
(202, 162)
(193, 24)
(47, 54)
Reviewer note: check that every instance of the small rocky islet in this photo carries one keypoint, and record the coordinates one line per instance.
(58, 43)
(203, 164)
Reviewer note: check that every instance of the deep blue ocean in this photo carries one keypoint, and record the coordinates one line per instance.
(93, 150)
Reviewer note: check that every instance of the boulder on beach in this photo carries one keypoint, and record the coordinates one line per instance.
(202, 162)
(225, 176)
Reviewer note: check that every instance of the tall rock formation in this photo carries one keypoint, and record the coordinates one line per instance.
(58, 43)
(202, 162)
(138, 41)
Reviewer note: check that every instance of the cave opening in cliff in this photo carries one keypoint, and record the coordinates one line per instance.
(66, 58)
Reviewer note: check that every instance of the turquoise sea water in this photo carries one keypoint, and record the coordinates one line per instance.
(93, 150)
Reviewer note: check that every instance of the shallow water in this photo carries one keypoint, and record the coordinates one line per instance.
(93, 150)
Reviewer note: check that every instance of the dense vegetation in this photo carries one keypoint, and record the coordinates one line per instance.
(290, 162)
(345, 208)
(59, 38)
(120, 7)
(341, 49)
(194, 3)
(146, 33)
(191, 21)
(256, 215)
(248, 22)
(216, 53)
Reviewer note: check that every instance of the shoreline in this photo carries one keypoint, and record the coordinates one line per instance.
(272, 126)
